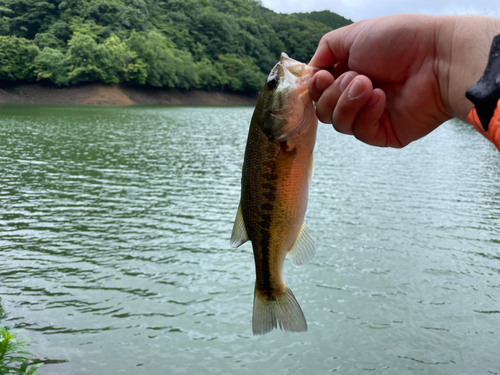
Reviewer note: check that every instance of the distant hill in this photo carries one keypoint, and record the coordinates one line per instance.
(224, 45)
(330, 19)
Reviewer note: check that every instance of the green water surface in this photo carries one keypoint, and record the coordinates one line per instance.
(115, 256)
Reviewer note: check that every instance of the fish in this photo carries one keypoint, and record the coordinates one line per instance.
(277, 171)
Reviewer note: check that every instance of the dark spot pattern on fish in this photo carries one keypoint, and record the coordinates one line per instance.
(269, 191)
(265, 224)
(269, 176)
(270, 187)
(269, 163)
(271, 197)
(265, 287)
(265, 239)
(266, 217)
(267, 206)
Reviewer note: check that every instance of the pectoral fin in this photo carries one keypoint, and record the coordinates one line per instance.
(239, 234)
(304, 248)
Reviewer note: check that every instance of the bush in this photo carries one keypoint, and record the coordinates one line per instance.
(14, 357)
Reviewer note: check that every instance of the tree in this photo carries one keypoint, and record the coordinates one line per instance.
(51, 65)
(126, 65)
(28, 17)
(209, 44)
(211, 75)
(17, 56)
(166, 65)
(88, 61)
(43, 40)
(242, 74)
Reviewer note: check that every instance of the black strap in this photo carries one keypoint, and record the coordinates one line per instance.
(486, 92)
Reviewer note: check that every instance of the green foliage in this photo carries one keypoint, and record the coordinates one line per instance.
(48, 40)
(128, 66)
(211, 75)
(4, 26)
(51, 65)
(28, 17)
(330, 19)
(241, 74)
(14, 357)
(16, 58)
(207, 44)
(88, 60)
(166, 66)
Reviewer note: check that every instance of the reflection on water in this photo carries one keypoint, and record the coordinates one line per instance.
(115, 225)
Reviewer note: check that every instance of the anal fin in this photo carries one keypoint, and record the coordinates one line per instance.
(303, 249)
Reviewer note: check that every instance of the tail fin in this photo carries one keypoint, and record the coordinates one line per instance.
(283, 311)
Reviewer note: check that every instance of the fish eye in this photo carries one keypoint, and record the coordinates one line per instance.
(272, 83)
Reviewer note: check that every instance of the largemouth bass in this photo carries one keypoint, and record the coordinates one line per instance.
(275, 181)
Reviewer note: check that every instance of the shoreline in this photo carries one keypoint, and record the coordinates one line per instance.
(114, 94)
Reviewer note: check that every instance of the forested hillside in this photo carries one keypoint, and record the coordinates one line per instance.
(186, 44)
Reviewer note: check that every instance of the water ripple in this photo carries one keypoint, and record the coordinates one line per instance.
(114, 247)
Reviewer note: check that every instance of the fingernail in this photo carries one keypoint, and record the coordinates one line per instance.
(321, 83)
(345, 81)
(355, 89)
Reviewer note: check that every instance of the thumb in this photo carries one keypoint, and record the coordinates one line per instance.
(332, 48)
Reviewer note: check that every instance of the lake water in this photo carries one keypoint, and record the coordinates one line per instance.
(115, 256)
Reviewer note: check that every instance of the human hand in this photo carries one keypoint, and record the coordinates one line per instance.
(394, 79)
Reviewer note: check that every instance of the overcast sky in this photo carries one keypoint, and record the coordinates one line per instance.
(359, 9)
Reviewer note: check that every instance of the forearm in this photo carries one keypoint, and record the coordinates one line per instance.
(462, 47)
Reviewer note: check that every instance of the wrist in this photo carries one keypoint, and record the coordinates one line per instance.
(462, 47)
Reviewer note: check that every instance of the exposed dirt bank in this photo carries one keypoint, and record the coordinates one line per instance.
(118, 95)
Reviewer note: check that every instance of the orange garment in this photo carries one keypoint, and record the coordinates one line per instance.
(493, 132)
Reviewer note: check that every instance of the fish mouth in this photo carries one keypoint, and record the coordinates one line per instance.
(274, 72)
(293, 66)
(297, 68)
(286, 71)
(289, 71)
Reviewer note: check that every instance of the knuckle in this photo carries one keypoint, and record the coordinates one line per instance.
(324, 118)
(342, 125)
